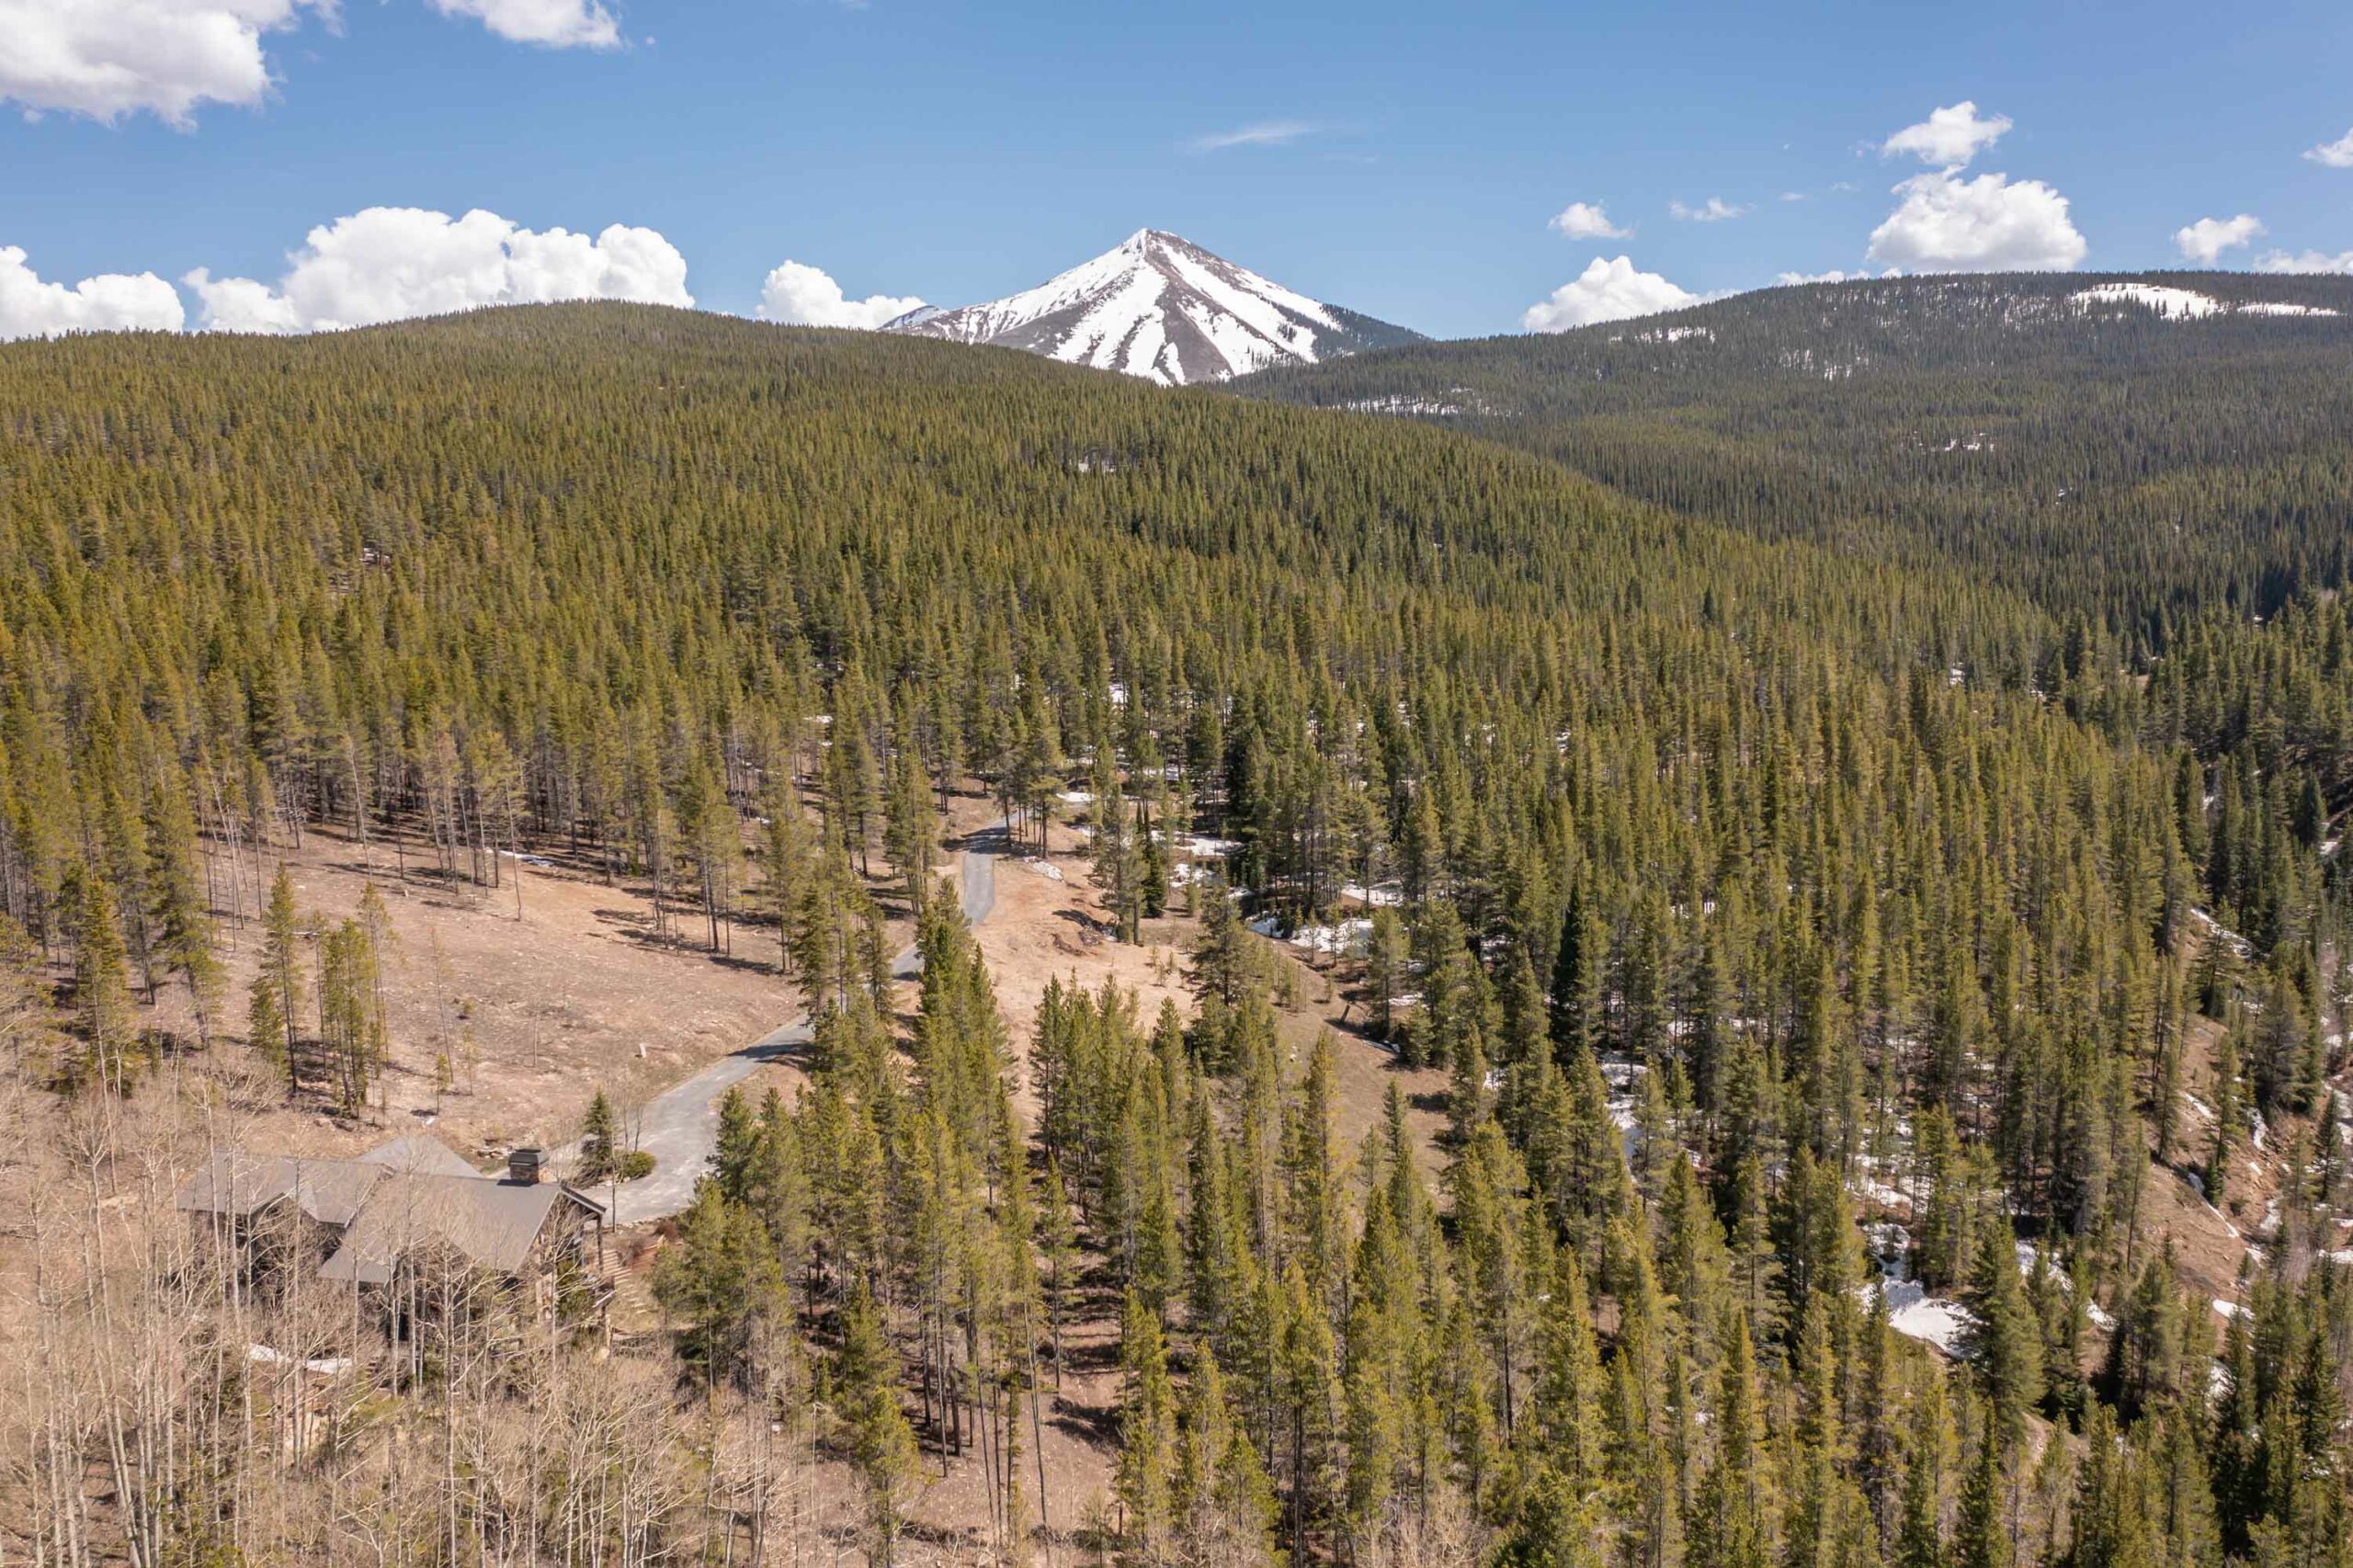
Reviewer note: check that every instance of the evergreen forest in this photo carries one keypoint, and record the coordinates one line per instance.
(1853, 929)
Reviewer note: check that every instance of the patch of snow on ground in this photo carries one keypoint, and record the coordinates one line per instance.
(1401, 404)
(1380, 895)
(1621, 1076)
(2188, 304)
(2239, 943)
(1911, 1311)
(1214, 848)
(2282, 308)
(1933, 1319)
(1347, 939)
(1045, 869)
(2228, 1309)
(1879, 1192)
(2101, 1319)
(2178, 304)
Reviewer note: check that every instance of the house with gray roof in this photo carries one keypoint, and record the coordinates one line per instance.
(403, 1205)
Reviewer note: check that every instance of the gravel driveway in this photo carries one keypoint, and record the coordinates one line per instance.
(680, 1125)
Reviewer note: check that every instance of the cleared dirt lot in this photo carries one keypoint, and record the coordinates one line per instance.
(533, 1012)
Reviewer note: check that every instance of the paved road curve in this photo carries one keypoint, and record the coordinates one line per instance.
(680, 1126)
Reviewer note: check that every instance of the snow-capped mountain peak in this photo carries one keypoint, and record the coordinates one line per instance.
(1158, 306)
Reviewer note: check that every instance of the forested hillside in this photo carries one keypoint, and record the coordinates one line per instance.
(1817, 946)
(2124, 449)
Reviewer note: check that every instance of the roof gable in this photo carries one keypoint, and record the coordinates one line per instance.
(419, 1155)
(491, 1224)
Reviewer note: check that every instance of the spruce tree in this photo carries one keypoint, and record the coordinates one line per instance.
(600, 1141)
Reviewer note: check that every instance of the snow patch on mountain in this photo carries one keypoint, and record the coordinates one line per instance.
(1160, 307)
(2188, 304)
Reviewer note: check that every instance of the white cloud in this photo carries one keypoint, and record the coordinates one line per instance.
(1949, 223)
(108, 58)
(805, 296)
(385, 263)
(1586, 220)
(1264, 133)
(240, 305)
(1835, 275)
(1715, 210)
(1948, 137)
(108, 302)
(2337, 155)
(2205, 240)
(558, 24)
(1607, 290)
(2305, 261)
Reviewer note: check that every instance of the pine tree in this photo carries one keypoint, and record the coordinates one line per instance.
(1919, 1537)
(784, 860)
(275, 1003)
(2006, 1342)
(722, 1280)
(876, 1438)
(1223, 1505)
(1578, 967)
(909, 831)
(1756, 1267)
(2111, 1513)
(1822, 1505)
(1385, 971)
(1732, 1520)
(735, 1147)
(177, 908)
(102, 1004)
(1225, 965)
(352, 1023)
(1980, 1535)
(1057, 1243)
(1306, 1396)
(600, 1141)
(1147, 1434)
(2227, 1119)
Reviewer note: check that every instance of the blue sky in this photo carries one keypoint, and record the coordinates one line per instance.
(960, 152)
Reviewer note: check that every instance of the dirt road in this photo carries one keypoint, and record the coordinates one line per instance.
(680, 1126)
